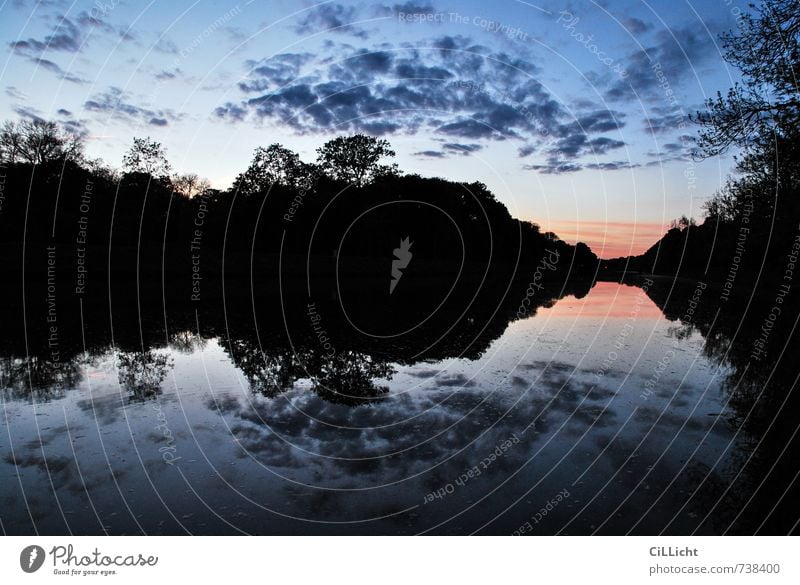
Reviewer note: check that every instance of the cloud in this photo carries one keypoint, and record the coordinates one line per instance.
(55, 68)
(166, 46)
(398, 88)
(665, 120)
(573, 146)
(65, 119)
(166, 74)
(67, 36)
(15, 94)
(331, 18)
(431, 154)
(600, 121)
(558, 163)
(472, 128)
(449, 149)
(680, 150)
(274, 72)
(404, 8)
(430, 88)
(612, 166)
(636, 26)
(554, 167)
(462, 149)
(70, 123)
(665, 65)
(29, 112)
(116, 103)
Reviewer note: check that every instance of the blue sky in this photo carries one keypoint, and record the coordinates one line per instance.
(574, 113)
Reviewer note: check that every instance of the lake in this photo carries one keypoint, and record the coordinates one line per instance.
(611, 413)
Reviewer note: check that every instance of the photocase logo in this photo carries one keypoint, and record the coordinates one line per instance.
(31, 558)
(402, 258)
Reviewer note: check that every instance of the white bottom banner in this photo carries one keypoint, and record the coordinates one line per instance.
(389, 560)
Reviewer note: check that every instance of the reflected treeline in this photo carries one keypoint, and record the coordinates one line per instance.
(347, 377)
(37, 378)
(341, 344)
(141, 373)
(753, 338)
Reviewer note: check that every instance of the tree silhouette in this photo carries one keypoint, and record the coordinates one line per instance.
(147, 156)
(38, 142)
(682, 223)
(355, 159)
(189, 185)
(766, 50)
(274, 164)
(762, 116)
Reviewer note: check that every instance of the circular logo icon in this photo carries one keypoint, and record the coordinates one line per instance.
(31, 558)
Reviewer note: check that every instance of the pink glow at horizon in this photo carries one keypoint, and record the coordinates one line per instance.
(609, 239)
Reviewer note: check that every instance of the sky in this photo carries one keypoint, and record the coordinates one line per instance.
(574, 113)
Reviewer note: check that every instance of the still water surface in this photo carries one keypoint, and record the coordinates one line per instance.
(595, 415)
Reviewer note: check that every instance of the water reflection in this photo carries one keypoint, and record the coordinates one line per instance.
(651, 417)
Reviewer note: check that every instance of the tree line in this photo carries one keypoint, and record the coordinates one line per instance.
(343, 213)
(352, 159)
(751, 229)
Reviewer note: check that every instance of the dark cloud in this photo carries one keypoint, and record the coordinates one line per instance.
(463, 149)
(636, 26)
(564, 156)
(274, 72)
(665, 65)
(368, 63)
(612, 166)
(66, 121)
(579, 144)
(166, 46)
(116, 103)
(431, 154)
(600, 121)
(29, 113)
(15, 94)
(404, 8)
(77, 127)
(683, 149)
(470, 128)
(428, 88)
(554, 167)
(603, 144)
(70, 123)
(55, 68)
(397, 88)
(450, 149)
(168, 74)
(331, 18)
(665, 120)
(231, 112)
(67, 36)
